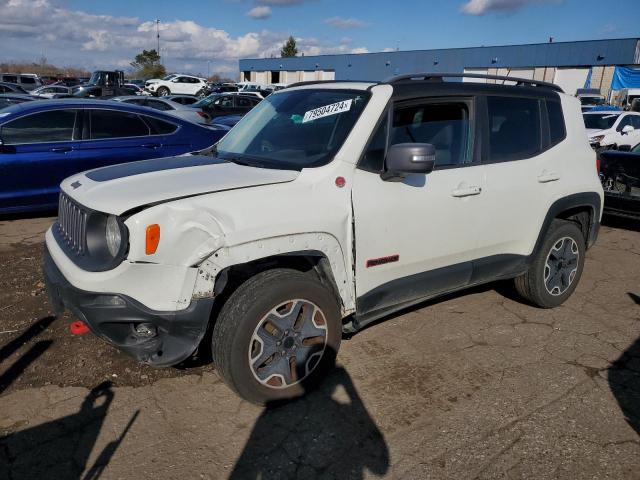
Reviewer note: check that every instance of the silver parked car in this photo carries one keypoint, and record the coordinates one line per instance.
(171, 107)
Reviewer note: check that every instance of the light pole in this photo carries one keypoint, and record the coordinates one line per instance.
(158, 34)
(208, 65)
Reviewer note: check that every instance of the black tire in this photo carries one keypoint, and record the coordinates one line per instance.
(243, 318)
(163, 92)
(535, 286)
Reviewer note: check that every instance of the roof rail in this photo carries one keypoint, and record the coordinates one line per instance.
(312, 82)
(439, 77)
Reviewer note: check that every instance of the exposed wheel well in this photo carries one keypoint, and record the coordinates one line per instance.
(311, 262)
(582, 216)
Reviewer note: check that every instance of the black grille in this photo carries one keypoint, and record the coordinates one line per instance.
(72, 224)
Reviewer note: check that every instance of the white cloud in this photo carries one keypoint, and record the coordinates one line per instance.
(75, 38)
(259, 13)
(360, 50)
(344, 23)
(389, 49)
(482, 7)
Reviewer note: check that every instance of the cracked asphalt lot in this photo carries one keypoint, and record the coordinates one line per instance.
(475, 385)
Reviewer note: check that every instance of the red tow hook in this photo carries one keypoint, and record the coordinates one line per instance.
(78, 328)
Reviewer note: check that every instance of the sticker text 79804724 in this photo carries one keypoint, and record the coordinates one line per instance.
(327, 110)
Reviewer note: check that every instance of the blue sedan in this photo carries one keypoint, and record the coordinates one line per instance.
(43, 142)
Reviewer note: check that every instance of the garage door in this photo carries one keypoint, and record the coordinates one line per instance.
(328, 75)
(482, 71)
(308, 76)
(570, 79)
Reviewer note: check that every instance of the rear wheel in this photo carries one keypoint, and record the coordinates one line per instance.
(556, 268)
(276, 335)
(163, 92)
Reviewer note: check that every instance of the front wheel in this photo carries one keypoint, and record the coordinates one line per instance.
(276, 335)
(556, 268)
(163, 92)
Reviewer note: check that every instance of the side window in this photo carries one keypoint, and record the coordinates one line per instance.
(10, 78)
(160, 127)
(373, 159)
(224, 102)
(52, 126)
(626, 120)
(27, 80)
(135, 101)
(557, 130)
(635, 121)
(444, 125)
(159, 105)
(112, 124)
(514, 128)
(244, 102)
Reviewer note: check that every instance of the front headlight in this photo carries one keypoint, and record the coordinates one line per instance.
(596, 139)
(113, 235)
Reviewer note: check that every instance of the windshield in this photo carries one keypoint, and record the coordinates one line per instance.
(169, 77)
(601, 121)
(294, 129)
(592, 100)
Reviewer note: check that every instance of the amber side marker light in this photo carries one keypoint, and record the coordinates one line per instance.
(152, 239)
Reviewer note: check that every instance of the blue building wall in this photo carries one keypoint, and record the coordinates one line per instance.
(378, 66)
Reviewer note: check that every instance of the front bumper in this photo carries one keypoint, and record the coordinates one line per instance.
(114, 317)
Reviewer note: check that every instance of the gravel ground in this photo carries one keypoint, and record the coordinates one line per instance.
(474, 385)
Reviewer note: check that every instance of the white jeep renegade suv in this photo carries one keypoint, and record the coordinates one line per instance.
(330, 205)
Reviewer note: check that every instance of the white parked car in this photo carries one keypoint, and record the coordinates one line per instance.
(326, 207)
(611, 128)
(177, 84)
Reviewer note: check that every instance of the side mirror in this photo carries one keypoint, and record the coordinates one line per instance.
(627, 129)
(409, 158)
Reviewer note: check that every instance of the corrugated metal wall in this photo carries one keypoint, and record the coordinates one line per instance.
(378, 66)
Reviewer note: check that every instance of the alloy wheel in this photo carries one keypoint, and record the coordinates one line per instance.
(288, 343)
(561, 266)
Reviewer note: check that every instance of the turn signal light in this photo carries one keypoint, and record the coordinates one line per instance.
(152, 239)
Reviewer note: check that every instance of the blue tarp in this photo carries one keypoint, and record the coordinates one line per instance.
(625, 77)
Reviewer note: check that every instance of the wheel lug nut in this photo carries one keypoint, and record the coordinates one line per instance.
(278, 342)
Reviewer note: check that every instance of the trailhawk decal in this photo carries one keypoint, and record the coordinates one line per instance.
(327, 110)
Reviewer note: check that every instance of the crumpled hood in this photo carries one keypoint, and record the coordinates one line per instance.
(119, 188)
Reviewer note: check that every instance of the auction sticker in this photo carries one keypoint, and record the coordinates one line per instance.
(327, 110)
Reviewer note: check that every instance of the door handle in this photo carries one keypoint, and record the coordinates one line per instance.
(60, 149)
(466, 191)
(546, 177)
(151, 145)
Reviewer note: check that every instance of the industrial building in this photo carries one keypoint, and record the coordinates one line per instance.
(571, 65)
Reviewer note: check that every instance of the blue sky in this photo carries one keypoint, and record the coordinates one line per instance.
(109, 32)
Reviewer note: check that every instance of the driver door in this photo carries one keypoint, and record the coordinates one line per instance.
(417, 237)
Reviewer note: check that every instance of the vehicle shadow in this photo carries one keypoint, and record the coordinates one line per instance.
(613, 221)
(7, 217)
(61, 448)
(624, 380)
(20, 365)
(326, 433)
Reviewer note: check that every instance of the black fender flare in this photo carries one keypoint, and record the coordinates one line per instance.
(585, 199)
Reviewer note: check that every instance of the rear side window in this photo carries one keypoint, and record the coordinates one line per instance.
(160, 127)
(158, 105)
(29, 80)
(52, 126)
(557, 130)
(112, 124)
(10, 78)
(514, 128)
